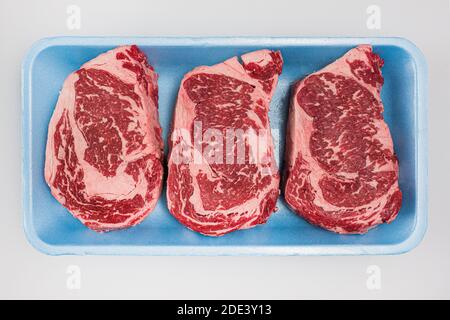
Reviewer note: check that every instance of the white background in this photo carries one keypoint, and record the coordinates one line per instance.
(422, 273)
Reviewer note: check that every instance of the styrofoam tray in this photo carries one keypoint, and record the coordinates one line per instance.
(52, 230)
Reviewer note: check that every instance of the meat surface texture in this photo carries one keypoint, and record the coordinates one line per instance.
(341, 170)
(219, 178)
(104, 148)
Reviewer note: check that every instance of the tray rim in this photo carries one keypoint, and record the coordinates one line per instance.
(421, 125)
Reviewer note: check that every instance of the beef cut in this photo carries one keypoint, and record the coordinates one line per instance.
(222, 175)
(104, 148)
(341, 169)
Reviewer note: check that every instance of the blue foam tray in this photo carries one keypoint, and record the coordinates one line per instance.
(52, 230)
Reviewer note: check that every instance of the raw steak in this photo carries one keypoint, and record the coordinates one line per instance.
(104, 147)
(215, 185)
(342, 172)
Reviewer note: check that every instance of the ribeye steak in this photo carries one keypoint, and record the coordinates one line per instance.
(341, 170)
(104, 148)
(219, 179)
